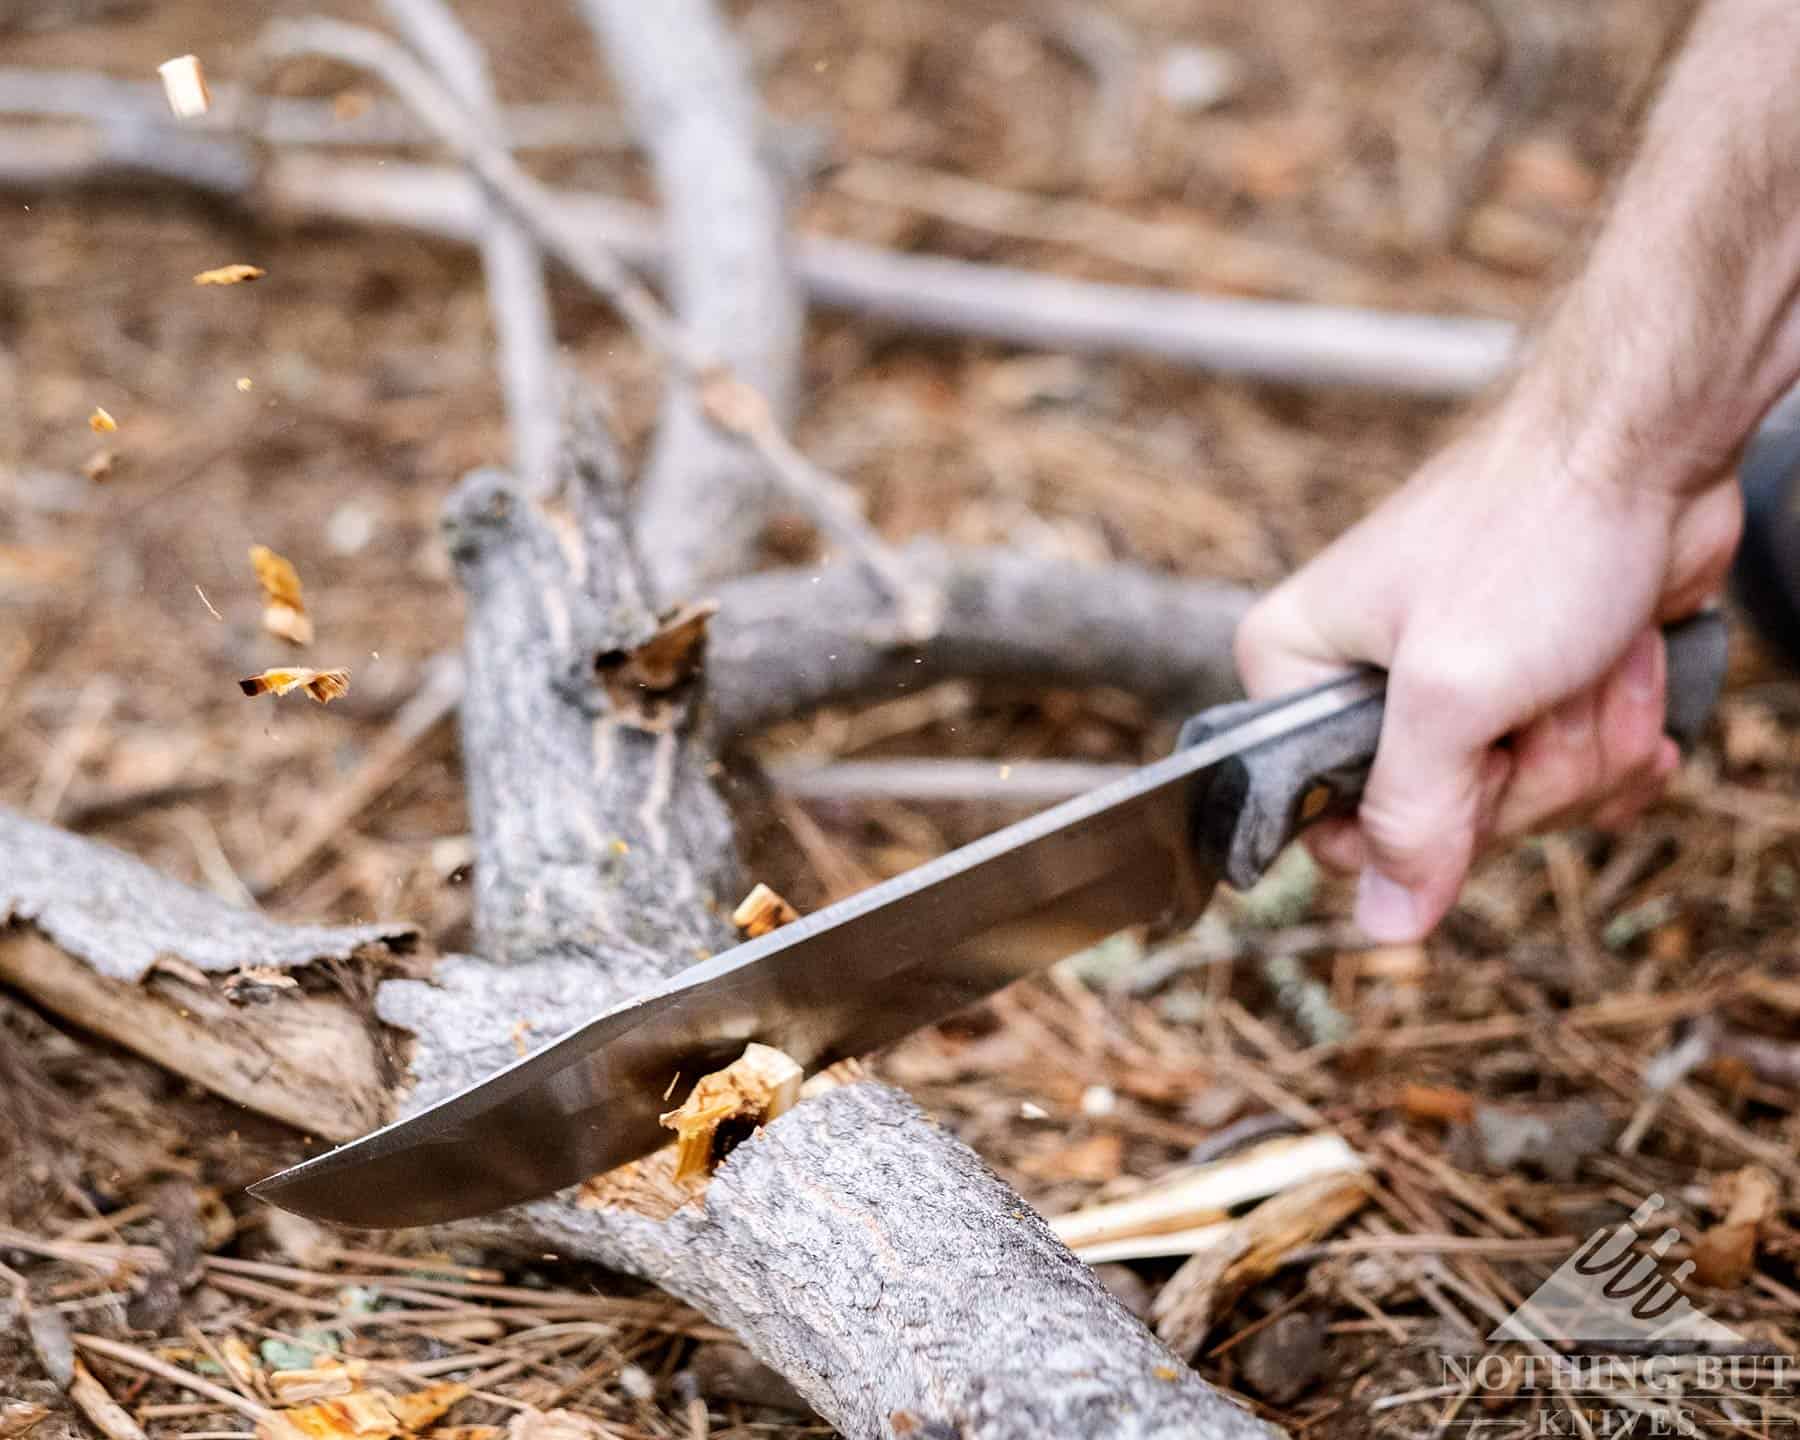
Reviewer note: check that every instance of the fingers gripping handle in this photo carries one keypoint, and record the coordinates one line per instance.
(1247, 808)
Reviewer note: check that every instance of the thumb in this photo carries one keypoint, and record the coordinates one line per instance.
(1434, 780)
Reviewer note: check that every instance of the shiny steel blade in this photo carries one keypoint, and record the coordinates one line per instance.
(846, 980)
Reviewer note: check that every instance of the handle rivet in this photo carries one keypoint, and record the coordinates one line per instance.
(1313, 803)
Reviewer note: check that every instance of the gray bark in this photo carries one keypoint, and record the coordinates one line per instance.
(688, 96)
(889, 1274)
(787, 641)
(118, 916)
(859, 1249)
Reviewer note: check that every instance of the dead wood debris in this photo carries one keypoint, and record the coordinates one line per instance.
(284, 607)
(322, 685)
(184, 84)
(725, 1108)
(234, 274)
(761, 911)
(19, 1418)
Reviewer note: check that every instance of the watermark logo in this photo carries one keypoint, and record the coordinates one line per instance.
(1610, 1296)
(1611, 1347)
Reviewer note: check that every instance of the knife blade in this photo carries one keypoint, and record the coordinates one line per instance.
(870, 969)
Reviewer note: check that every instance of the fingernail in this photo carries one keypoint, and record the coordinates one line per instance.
(1386, 910)
(1640, 667)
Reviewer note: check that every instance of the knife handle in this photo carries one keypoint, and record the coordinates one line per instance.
(1248, 807)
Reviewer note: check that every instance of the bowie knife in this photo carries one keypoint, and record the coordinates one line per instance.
(1244, 779)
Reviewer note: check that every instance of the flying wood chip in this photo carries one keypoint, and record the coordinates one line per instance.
(761, 911)
(184, 83)
(230, 275)
(323, 685)
(284, 614)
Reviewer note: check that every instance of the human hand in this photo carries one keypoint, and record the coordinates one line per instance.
(1507, 597)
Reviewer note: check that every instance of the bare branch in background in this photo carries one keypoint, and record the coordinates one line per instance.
(704, 503)
(517, 297)
(532, 203)
(1284, 341)
(289, 119)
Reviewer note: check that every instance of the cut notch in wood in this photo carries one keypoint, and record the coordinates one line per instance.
(726, 1108)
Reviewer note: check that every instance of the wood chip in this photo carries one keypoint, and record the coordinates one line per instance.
(761, 911)
(284, 606)
(20, 1417)
(101, 422)
(727, 1107)
(1726, 1254)
(255, 984)
(1206, 1286)
(323, 685)
(98, 467)
(363, 1415)
(237, 274)
(317, 1382)
(1437, 1102)
(184, 83)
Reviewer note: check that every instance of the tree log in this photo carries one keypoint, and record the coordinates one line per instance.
(787, 641)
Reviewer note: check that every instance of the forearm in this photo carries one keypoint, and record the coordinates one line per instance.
(1680, 330)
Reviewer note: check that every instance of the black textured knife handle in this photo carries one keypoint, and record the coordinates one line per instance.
(1247, 808)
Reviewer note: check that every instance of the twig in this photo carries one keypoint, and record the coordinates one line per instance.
(518, 298)
(137, 1359)
(740, 411)
(688, 92)
(1179, 251)
(107, 1415)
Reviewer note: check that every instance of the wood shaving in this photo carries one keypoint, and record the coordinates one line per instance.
(256, 984)
(323, 685)
(184, 84)
(728, 1106)
(362, 1415)
(98, 467)
(324, 1381)
(101, 422)
(238, 274)
(20, 1417)
(761, 911)
(284, 608)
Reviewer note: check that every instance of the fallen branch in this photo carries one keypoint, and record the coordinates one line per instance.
(732, 406)
(688, 94)
(518, 298)
(100, 938)
(787, 641)
(1273, 340)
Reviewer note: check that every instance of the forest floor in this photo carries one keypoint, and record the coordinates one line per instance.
(1407, 154)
